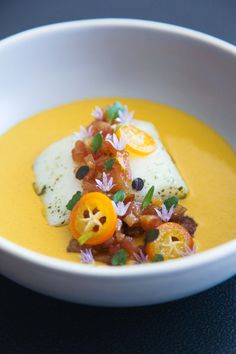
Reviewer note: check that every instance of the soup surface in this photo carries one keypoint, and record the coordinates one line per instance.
(205, 160)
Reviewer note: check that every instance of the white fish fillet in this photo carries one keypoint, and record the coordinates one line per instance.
(157, 169)
(54, 171)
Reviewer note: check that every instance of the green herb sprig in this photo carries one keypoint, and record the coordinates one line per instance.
(171, 201)
(148, 198)
(113, 111)
(75, 198)
(96, 142)
(120, 258)
(109, 164)
(151, 235)
(158, 258)
(119, 196)
(85, 237)
(39, 192)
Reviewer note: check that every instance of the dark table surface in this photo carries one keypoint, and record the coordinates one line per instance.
(205, 323)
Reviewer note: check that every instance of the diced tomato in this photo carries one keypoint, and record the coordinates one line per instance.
(132, 216)
(150, 210)
(101, 126)
(80, 151)
(129, 198)
(113, 249)
(150, 222)
(90, 187)
(89, 159)
(90, 176)
(119, 236)
(107, 148)
(129, 245)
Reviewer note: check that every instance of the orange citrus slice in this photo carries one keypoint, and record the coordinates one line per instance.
(93, 219)
(137, 140)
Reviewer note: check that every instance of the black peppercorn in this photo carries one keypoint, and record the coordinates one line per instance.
(138, 184)
(82, 172)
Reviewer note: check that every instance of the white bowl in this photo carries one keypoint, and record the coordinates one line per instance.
(52, 65)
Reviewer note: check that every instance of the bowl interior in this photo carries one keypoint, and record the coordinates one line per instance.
(54, 65)
(57, 64)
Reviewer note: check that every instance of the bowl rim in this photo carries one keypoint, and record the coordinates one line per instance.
(173, 266)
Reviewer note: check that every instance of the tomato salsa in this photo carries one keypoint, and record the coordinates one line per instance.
(107, 223)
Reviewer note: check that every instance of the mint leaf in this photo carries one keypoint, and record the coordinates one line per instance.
(158, 258)
(120, 258)
(96, 142)
(148, 198)
(76, 197)
(171, 201)
(119, 196)
(151, 235)
(109, 163)
(112, 112)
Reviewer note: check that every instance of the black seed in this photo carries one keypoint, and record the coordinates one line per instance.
(82, 172)
(103, 220)
(86, 214)
(138, 184)
(174, 239)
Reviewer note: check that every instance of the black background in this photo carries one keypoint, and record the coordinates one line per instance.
(205, 323)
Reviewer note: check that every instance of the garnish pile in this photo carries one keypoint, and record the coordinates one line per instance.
(107, 224)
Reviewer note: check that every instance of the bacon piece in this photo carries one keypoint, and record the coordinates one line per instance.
(102, 257)
(188, 223)
(178, 212)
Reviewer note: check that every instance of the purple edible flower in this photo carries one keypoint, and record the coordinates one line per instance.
(97, 113)
(118, 144)
(188, 251)
(86, 256)
(140, 257)
(106, 184)
(125, 116)
(121, 208)
(83, 133)
(164, 214)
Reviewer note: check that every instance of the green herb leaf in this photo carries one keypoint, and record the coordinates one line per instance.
(119, 196)
(109, 163)
(148, 198)
(96, 142)
(112, 112)
(171, 201)
(85, 237)
(120, 258)
(76, 197)
(158, 258)
(151, 235)
(37, 191)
